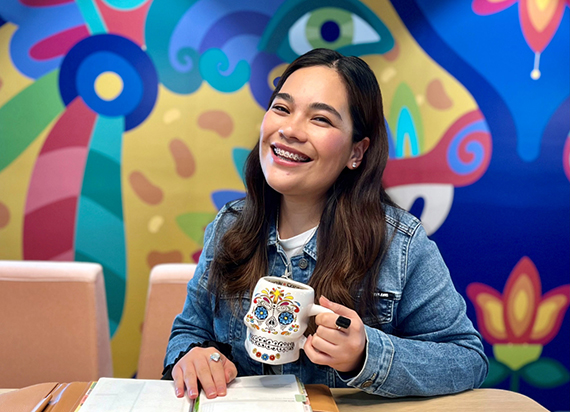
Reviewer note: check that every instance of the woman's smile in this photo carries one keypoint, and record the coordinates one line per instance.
(286, 155)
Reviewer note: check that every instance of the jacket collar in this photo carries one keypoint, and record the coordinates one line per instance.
(310, 248)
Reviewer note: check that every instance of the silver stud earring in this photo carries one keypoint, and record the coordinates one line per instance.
(354, 165)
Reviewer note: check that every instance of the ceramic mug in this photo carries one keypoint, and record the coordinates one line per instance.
(277, 318)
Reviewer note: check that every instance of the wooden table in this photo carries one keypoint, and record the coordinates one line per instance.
(484, 400)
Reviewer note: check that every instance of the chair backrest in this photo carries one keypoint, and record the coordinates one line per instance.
(165, 300)
(53, 323)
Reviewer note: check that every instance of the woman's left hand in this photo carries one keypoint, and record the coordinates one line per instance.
(341, 349)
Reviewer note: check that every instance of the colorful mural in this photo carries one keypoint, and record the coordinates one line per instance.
(518, 324)
(124, 127)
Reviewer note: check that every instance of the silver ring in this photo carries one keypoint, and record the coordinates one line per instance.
(338, 327)
(215, 357)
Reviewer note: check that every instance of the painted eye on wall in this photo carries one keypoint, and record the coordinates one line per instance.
(286, 318)
(351, 28)
(261, 312)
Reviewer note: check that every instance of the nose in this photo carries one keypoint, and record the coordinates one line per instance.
(294, 129)
(271, 322)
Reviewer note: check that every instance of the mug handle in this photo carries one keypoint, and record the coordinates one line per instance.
(316, 309)
(313, 311)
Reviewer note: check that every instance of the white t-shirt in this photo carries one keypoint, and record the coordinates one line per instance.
(294, 245)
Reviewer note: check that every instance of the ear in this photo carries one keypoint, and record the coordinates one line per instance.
(358, 150)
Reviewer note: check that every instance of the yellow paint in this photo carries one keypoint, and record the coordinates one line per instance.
(13, 82)
(493, 316)
(420, 99)
(543, 4)
(407, 146)
(108, 85)
(387, 74)
(171, 116)
(546, 316)
(521, 303)
(541, 13)
(155, 223)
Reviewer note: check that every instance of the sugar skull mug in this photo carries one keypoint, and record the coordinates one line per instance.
(277, 318)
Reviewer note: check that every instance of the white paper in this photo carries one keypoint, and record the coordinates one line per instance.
(134, 395)
(274, 393)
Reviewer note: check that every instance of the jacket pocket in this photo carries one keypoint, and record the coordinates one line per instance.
(385, 306)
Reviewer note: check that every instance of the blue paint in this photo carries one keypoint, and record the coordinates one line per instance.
(473, 147)
(213, 64)
(498, 52)
(221, 197)
(406, 130)
(101, 235)
(108, 136)
(330, 31)
(34, 25)
(118, 54)
(95, 64)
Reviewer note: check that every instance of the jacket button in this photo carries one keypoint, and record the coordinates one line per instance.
(303, 263)
(367, 384)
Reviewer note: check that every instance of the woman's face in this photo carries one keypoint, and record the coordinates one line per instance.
(306, 135)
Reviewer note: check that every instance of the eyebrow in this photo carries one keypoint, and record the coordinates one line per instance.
(315, 106)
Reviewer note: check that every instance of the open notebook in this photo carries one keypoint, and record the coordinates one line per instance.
(281, 393)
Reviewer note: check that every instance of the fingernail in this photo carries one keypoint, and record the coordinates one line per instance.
(192, 393)
(212, 394)
(177, 391)
(325, 298)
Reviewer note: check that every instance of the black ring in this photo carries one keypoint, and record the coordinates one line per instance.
(342, 322)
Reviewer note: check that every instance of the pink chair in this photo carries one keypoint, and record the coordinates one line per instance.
(53, 323)
(165, 300)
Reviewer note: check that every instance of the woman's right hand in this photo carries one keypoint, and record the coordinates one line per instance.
(196, 366)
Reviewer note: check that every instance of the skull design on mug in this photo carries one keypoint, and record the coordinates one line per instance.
(274, 311)
(277, 319)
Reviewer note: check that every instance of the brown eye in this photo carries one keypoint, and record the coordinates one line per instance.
(280, 109)
(323, 120)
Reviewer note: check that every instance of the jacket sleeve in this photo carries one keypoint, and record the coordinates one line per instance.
(195, 323)
(435, 349)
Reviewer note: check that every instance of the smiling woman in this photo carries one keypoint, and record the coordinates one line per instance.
(306, 138)
(314, 188)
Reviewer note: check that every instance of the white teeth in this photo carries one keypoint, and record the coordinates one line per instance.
(289, 155)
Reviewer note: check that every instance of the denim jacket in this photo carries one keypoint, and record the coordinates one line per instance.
(420, 343)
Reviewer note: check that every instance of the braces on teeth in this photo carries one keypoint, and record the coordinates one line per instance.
(292, 156)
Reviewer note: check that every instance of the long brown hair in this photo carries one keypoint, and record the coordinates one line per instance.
(351, 239)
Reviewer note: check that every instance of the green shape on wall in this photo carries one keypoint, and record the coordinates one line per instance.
(26, 115)
(193, 224)
(239, 156)
(545, 373)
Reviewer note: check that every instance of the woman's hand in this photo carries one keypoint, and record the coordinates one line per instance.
(341, 349)
(197, 366)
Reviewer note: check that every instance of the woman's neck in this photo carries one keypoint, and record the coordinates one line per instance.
(297, 216)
